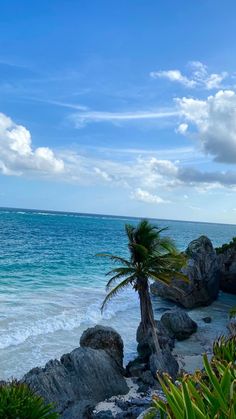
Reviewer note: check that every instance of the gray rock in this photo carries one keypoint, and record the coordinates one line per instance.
(207, 319)
(104, 414)
(227, 265)
(167, 363)
(179, 324)
(78, 381)
(106, 338)
(145, 341)
(232, 326)
(203, 273)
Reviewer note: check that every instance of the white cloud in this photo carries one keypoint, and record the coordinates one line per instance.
(214, 123)
(145, 196)
(17, 155)
(81, 119)
(198, 77)
(173, 75)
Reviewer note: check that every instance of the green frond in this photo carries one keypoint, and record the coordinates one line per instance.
(114, 258)
(120, 273)
(125, 283)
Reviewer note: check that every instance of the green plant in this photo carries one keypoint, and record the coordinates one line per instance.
(224, 349)
(204, 395)
(226, 246)
(151, 257)
(232, 312)
(18, 401)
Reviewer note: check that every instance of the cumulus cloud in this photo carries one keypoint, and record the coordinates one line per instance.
(214, 122)
(198, 77)
(17, 155)
(145, 196)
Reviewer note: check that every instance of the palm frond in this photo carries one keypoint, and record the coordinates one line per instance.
(114, 258)
(128, 281)
(120, 273)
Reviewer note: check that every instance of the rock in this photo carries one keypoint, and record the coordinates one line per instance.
(227, 264)
(232, 326)
(78, 381)
(203, 273)
(106, 338)
(103, 414)
(145, 340)
(167, 364)
(136, 367)
(207, 319)
(146, 413)
(179, 324)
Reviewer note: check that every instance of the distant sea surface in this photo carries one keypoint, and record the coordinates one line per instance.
(52, 284)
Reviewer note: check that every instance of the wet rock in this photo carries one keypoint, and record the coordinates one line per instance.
(179, 324)
(203, 274)
(106, 338)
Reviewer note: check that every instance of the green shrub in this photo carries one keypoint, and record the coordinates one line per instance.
(224, 349)
(226, 246)
(18, 401)
(206, 394)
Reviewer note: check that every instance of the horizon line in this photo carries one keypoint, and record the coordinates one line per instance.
(111, 215)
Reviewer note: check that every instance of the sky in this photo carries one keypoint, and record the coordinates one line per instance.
(119, 107)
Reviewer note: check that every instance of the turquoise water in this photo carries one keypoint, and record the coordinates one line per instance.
(52, 284)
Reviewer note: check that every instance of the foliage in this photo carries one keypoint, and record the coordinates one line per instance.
(226, 246)
(18, 401)
(232, 312)
(207, 394)
(151, 256)
(224, 349)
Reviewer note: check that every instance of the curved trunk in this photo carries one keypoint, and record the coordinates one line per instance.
(147, 315)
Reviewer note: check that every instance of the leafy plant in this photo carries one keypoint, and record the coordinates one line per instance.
(204, 395)
(226, 246)
(18, 401)
(232, 312)
(224, 349)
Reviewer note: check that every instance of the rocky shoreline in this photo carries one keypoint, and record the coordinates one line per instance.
(92, 382)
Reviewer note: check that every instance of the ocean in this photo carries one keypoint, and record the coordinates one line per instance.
(52, 283)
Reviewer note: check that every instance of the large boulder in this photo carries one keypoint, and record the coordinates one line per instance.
(203, 275)
(166, 363)
(227, 265)
(106, 338)
(145, 340)
(78, 381)
(179, 324)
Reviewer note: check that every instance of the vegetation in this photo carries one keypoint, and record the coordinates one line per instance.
(226, 246)
(152, 256)
(207, 394)
(224, 349)
(18, 401)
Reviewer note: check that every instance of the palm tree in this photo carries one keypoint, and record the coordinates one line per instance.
(151, 257)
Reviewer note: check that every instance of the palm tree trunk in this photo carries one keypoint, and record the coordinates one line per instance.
(147, 315)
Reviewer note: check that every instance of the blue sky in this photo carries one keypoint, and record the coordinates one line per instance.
(121, 107)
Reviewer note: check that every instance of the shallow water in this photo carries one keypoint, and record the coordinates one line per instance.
(52, 284)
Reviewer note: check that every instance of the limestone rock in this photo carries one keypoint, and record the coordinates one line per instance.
(106, 338)
(179, 324)
(203, 274)
(78, 381)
